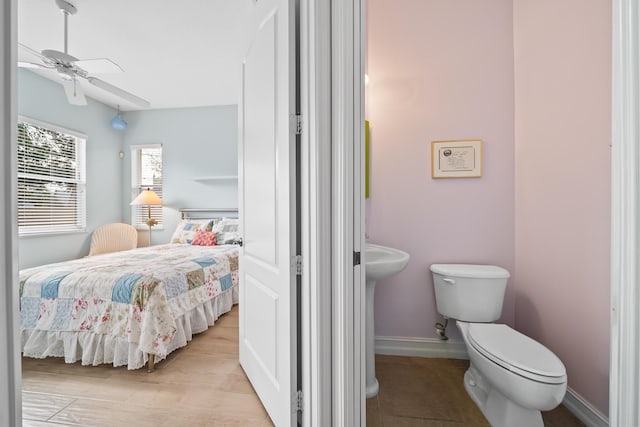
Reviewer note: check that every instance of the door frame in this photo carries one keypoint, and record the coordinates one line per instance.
(347, 164)
(332, 153)
(11, 390)
(315, 201)
(624, 372)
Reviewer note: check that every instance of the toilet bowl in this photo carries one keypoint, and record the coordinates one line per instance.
(511, 377)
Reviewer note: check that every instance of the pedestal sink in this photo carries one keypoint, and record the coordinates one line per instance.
(380, 262)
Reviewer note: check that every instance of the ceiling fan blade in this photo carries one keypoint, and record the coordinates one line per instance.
(119, 92)
(99, 66)
(27, 49)
(32, 65)
(46, 62)
(74, 93)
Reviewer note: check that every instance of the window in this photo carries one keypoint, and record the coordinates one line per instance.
(146, 172)
(51, 179)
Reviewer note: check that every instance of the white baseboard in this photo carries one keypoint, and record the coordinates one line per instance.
(435, 348)
(421, 347)
(583, 410)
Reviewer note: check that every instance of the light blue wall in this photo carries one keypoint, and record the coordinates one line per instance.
(197, 142)
(44, 100)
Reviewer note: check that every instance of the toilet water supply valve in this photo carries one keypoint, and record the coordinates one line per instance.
(440, 329)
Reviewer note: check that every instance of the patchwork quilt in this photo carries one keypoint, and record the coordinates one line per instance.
(137, 294)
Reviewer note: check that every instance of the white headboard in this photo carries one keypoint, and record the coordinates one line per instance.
(208, 213)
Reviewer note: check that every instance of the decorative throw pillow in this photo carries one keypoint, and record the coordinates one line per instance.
(209, 224)
(186, 230)
(204, 238)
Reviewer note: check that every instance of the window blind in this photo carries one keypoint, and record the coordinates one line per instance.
(146, 172)
(51, 179)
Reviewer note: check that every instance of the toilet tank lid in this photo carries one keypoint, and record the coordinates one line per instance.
(471, 270)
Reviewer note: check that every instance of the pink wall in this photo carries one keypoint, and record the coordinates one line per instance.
(438, 70)
(532, 79)
(563, 128)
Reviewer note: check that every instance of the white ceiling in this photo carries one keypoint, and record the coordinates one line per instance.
(174, 54)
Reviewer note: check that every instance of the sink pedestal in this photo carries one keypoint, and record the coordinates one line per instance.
(380, 262)
(371, 381)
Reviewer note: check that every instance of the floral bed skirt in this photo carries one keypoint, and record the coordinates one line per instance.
(95, 349)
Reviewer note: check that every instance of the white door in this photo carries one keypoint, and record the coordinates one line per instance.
(267, 210)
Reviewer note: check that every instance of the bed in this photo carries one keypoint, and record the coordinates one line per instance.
(127, 308)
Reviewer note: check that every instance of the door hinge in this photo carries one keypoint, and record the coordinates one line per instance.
(298, 124)
(356, 258)
(299, 403)
(299, 265)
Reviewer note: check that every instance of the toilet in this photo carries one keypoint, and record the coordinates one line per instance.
(511, 377)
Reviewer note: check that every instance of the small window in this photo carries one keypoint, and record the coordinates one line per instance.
(146, 173)
(51, 179)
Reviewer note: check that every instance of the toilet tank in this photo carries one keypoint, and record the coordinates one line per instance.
(469, 292)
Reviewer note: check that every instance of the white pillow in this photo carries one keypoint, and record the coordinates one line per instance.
(227, 225)
(227, 231)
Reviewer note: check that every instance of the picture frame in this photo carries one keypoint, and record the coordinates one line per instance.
(456, 158)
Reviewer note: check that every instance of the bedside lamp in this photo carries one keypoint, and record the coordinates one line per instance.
(150, 198)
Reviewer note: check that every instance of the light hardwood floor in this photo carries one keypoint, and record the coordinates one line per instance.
(203, 385)
(199, 385)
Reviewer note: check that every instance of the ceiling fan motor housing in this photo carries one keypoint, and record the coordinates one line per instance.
(61, 57)
(66, 7)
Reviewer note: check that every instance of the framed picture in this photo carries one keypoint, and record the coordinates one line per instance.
(456, 159)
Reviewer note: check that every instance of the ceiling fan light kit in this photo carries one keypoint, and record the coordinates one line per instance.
(69, 68)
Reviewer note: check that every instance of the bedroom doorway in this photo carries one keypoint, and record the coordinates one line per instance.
(332, 360)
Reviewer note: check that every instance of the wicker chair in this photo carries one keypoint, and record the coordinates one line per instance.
(113, 238)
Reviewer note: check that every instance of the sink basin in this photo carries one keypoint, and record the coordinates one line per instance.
(382, 262)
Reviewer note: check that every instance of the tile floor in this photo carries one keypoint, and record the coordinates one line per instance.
(185, 391)
(419, 392)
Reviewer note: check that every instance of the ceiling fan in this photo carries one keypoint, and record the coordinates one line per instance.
(70, 68)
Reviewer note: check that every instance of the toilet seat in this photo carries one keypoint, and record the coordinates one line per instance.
(516, 352)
